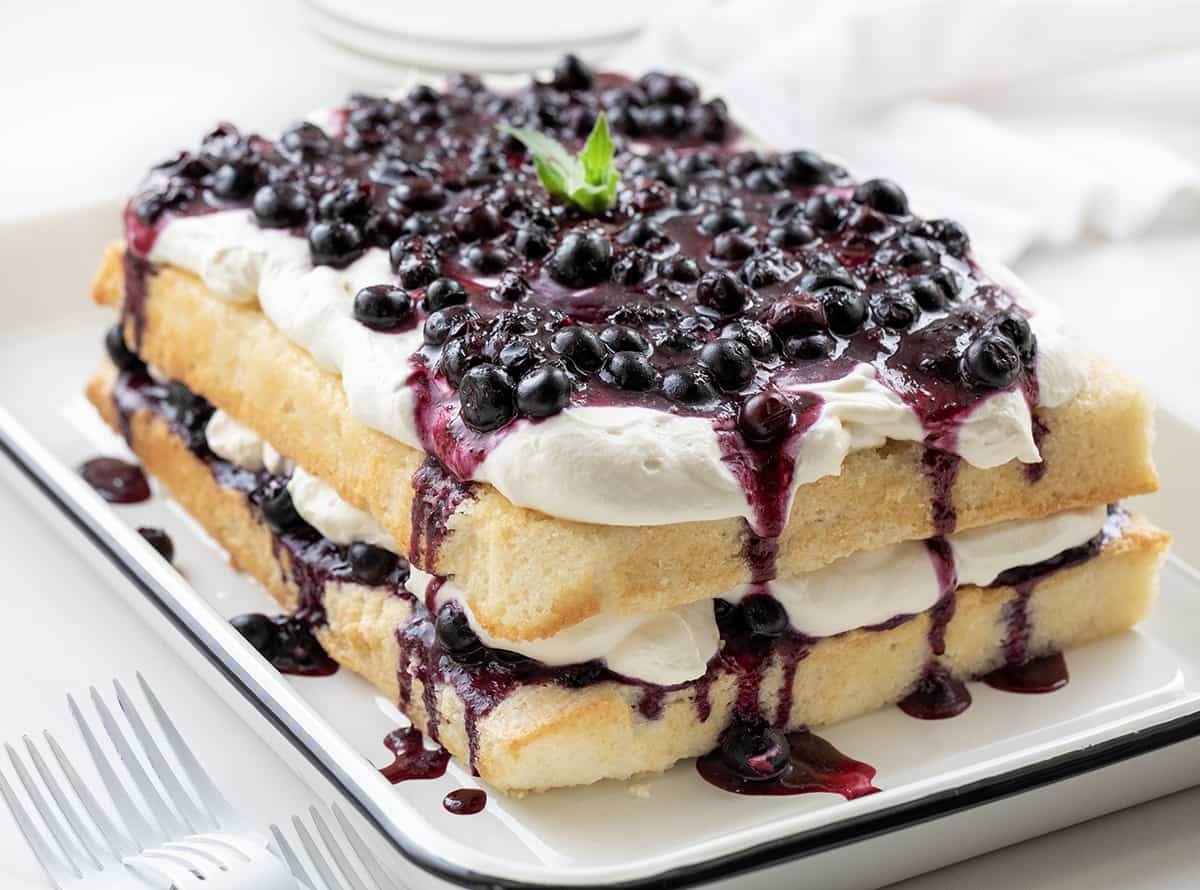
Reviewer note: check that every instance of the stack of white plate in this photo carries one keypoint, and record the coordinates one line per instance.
(382, 40)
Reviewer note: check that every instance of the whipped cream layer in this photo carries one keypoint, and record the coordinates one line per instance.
(675, 645)
(622, 465)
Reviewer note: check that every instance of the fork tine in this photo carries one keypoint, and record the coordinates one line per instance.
(364, 853)
(191, 814)
(290, 859)
(56, 870)
(335, 850)
(85, 838)
(167, 820)
(70, 853)
(215, 802)
(118, 843)
(177, 872)
(143, 834)
(319, 862)
(196, 850)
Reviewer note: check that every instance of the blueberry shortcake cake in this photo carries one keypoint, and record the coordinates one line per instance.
(600, 437)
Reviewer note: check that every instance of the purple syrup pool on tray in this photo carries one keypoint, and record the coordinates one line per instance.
(465, 801)
(411, 759)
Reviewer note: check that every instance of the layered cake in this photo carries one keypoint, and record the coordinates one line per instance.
(599, 436)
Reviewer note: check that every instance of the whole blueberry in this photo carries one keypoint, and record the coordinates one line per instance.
(845, 309)
(808, 347)
(383, 307)
(723, 219)
(511, 288)
(581, 346)
(160, 541)
(544, 391)
(766, 417)
(336, 244)
(472, 223)
(258, 630)
(572, 74)
(487, 397)
(895, 309)
(883, 195)
(370, 564)
(441, 324)
(760, 271)
(532, 242)
(793, 233)
(349, 202)
(796, 314)
(689, 386)
(804, 169)
(118, 353)
(444, 292)
(764, 180)
(418, 193)
(721, 291)
(278, 511)
(992, 361)
(756, 336)
(630, 370)
(455, 635)
(755, 751)
(764, 615)
(582, 259)
(303, 142)
(683, 269)
(928, 294)
(281, 205)
(825, 212)
(630, 267)
(487, 259)
(1014, 326)
(620, 338)
(232, 182)
(415, 269)
(640, 233)
(732, 246)
(729, 362)
(456, 359)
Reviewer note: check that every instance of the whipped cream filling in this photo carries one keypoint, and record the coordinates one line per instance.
(607, 465)
(675, 645)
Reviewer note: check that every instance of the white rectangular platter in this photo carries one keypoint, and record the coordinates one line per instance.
(1126, 728)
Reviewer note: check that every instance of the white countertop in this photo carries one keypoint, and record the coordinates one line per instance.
(98, 91)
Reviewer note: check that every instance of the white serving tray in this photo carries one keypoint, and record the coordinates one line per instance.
(1011, 767)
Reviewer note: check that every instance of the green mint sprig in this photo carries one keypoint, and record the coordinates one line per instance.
(587, 179)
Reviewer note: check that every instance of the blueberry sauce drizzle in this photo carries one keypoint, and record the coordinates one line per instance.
(938, 696)
(116, 480)
(812, 765)
(721, 282)
(465, 801)
(411, 759)
(437, 493)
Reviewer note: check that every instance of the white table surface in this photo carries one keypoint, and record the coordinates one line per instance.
(92, 92)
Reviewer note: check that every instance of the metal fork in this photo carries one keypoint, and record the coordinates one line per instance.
(336, 867)
(80, 859)
(213, 862)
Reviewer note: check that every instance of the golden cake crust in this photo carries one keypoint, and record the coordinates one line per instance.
(1098, 452)
(546, 736)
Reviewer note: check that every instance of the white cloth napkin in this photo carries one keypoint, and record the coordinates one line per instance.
(1030, 121)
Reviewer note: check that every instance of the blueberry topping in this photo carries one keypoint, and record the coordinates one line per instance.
(335, 244)
(928, 294)
(160, 541)
(766, 417)
(278, 511)
(118, 353)
(620, 338)
(825, 212)
(795, 315)
(304, 142)
(793, 233)
(456, 359)
(576, 676)
(581, 346)
(418, 193)
(233, 182)
(754, 334)
(883, 195)
(382, 307)
(511, 288)
(532, 242)
(630, 267)
(258, 630)
(486, 393)
(280, 206)
(723, 292)
(349, 202)
(455, 635)
(683, 269)
(630, 370)
(478, 222)
(1014, 326)
(755, 751)
(572, 74)
(544, 391)
(689, 386)
(641, 233)
(845, 309)
(487, 259)
(764, 615)
(444, 292)
(729, 362)
(370, 564)
(439, 326)
(808, 347)
(992, 361)
(732, 246)
(723, 219)
(415, 269)
(582, 259)
(804, 169)
(895, 309)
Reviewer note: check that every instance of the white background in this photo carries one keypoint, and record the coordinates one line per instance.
(91, 93)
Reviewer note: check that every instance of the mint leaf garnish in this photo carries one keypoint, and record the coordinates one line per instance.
(587, 179)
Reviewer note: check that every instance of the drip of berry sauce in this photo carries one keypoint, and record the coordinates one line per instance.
(115, 480)
(465, 801)
(1045, 674)
(803, 764)
(938, 695)
(411, 759)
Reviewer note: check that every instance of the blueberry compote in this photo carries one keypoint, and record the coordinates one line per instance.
(411, 759)
(287, 642)
(465, 801)
(116, 480)
(720, 282)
